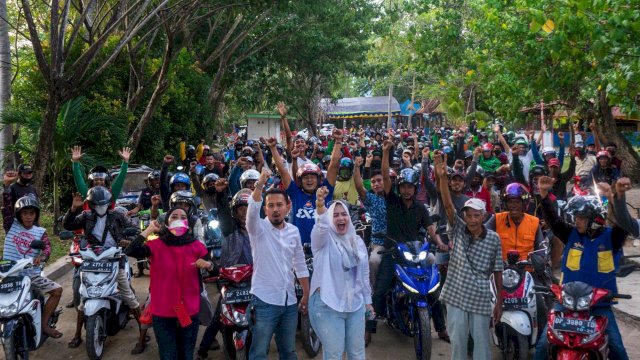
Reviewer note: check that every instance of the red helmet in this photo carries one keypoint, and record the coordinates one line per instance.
(308, 169)
(405, 135)
(487, 147)
(603, 153)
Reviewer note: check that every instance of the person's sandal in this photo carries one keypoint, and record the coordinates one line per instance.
(52, 333)
(138, 349)
(74, 343)
(443, 335)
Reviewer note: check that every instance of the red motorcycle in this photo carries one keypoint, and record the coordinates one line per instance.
(574, 333)
(235, 287)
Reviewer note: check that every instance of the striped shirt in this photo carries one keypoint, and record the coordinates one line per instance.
(17, 244)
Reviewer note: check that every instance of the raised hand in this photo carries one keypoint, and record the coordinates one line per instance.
(545, 183)
(358, 161)
(156, 200)
(604, 189)
(168, 159)
(440, 165)
(10, 176)
(272, 142)
(295, 153)
(337, 134)
(321, 194)
(221, 184)
(560, 135)
(125, 154)
(282, 109)
(623, 185)
(368, 161)
(77, 201)
(387, 145)
(496, 128)
(76, 153)
(265, 174)
(425, 153)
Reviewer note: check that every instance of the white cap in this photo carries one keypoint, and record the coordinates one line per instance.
(475, 204)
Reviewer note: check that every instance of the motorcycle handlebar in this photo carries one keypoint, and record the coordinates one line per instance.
(623, 296)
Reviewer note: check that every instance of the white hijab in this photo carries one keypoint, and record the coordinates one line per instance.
(347, 243)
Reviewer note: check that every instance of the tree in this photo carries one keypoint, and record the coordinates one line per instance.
(6, 135)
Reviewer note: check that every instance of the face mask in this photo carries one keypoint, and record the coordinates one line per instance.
(178, 227)
(101, 210)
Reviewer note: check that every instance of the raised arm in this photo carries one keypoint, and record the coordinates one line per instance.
(277, 158)
(387, 145)
(357, 179)
(440, 167)
(195, 180)
(78, 176)
(334, 164)
(118, 183)
(282, 110)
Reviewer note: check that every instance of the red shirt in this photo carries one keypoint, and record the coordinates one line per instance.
(483, 195)
(172, 274)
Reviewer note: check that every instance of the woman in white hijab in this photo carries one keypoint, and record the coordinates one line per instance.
(341, 293)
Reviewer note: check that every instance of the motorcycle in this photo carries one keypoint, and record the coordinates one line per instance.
(235, 285)
(518, 330)
(573, 332)
(213, 237)
(310, 341)
(361, 222)
(104, 310)
(408, 304)
(21, 309)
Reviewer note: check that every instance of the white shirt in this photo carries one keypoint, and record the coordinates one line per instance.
(276, 254)
(98, 231)
(343, 291)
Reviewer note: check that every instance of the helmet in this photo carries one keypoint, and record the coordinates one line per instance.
(26, 202)
(309, 168)
(447, 149)
(417, 167)
(320, 149)
(603, 153)
(210, 178)
(455, 173)
(179, 178)
(395, 160)
(98, 196)
(326, 158)
(515, 191)
(487, 147)
(589, 207)
(549, 151)
(538, 170)
(346, 169)
(468, 154)
(191, 150)
(249, 175)
(480, 171)
(240, 198)
(185, 197)
(154, 175)
(99, 172)
(408, 176)
(522, 141)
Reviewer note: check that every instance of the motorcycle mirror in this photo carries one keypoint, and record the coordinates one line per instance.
(131, 232)
(37, 245)
(66, 235)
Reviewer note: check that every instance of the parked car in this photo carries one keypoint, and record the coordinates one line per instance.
(327, 129)
(304, 133)
(135, 181)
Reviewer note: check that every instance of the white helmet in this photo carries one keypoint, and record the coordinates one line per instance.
(249, 175)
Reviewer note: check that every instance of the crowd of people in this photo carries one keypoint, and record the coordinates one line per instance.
(492, 191)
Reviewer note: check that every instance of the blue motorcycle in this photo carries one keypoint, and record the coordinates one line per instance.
(415, 289)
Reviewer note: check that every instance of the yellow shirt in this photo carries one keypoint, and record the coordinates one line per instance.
(346, 190)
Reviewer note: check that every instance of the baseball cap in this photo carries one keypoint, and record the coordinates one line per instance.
(475, 204)
(25, 168)
(554, 162)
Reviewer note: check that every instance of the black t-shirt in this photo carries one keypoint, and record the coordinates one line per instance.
(404, 223)
(145, 197)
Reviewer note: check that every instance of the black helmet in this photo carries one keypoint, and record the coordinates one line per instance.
(408, 176)
(480, 172)
(98, 196)
(241, 198)
(154, 175)
(537, 170)
(589, 207)
(210, 178)
(326, 158)
(191, 150)
(185, 197)
(26, 202)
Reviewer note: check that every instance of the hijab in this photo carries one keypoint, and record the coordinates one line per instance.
(347, 243)
(172, 240)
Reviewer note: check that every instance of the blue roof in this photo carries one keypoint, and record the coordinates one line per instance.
(406, 110)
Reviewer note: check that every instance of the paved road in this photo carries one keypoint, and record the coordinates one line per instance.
(387, 344)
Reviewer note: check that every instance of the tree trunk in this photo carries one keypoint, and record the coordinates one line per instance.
(44, 150)
(609, 131)
(6, 136)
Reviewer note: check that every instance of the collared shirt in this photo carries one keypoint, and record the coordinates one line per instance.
(377, 208)
(404, 223)
(472, 262)
(276, 254)
(584, 166)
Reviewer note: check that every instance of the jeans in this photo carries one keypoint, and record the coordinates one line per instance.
(338, 331)
(174, 341)
(616, 347)
(461, 323)
(269, 320)
(211, 331)
(384, 281)
(374, 263)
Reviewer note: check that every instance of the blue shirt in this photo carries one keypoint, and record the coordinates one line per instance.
(377, 209)
(303, 209)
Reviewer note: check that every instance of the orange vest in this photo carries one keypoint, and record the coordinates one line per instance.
(520, 237)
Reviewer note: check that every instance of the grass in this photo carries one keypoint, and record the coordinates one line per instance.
(59, 248)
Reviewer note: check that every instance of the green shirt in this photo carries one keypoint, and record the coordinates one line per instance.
(83, 189)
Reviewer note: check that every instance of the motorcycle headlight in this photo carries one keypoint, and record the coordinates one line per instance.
(567, 300)
(510, 278)
(9, 311)
(584, 302)
(422, 255)
(213, 224)
(94, 291)
(410, 288)
(408, 256)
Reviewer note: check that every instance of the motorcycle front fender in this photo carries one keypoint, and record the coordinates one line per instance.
(518, 321)
(8, 327)
(240, 339)
(571, 354)
(92, 306)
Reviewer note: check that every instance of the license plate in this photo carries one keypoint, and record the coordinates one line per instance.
(10, 284)
(515, 303)
(234, 296)
(98, 266)
(587, 327)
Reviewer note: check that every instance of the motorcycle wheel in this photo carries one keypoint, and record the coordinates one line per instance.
(227, 344)
(9, 345)
(242, 354)
(310, 341)
(522, 346)
(422, 335)
(95, 328)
